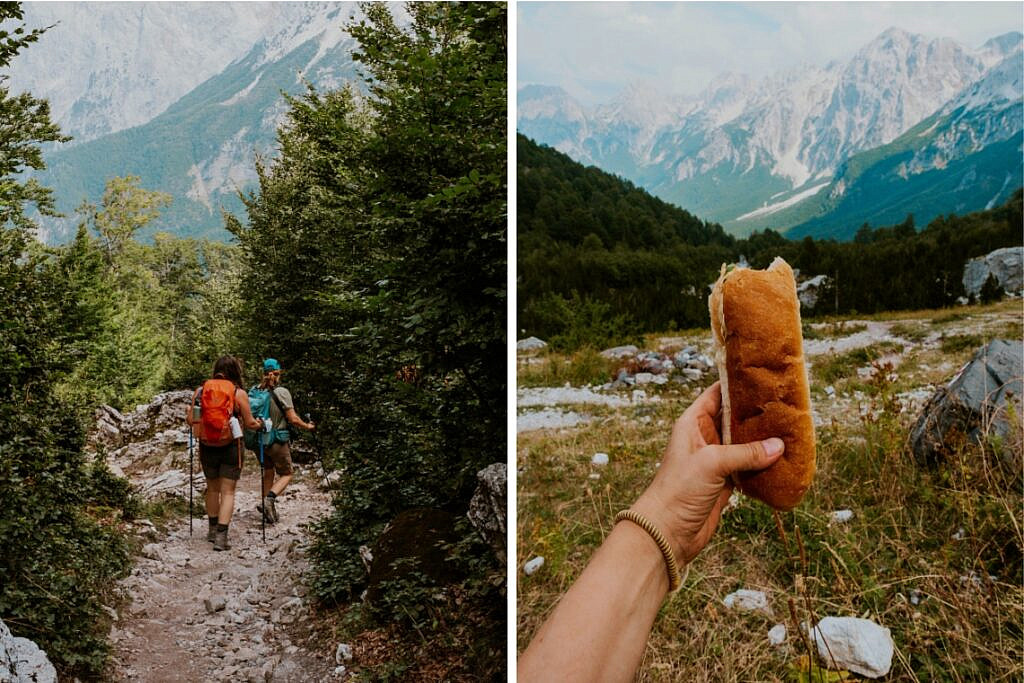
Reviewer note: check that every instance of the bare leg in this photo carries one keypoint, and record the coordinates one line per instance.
(281, 483)
(268, 481)
(212, 497)
(227, 500)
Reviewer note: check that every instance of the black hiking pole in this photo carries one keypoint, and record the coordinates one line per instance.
(319, 453)
(263, 496)
(190, 481)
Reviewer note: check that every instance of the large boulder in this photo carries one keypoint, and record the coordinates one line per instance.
(809, 290)
(974, 403)
(530, 344)
(1007, 265)
(22, 661)
(165, 412)
(488, 509)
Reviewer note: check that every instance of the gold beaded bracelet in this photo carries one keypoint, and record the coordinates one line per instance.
(674, 579)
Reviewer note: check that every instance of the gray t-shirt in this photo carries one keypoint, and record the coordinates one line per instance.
(277, 418)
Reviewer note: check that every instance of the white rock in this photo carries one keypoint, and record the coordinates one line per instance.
(777, 634)
(692, 374)
(748, 601)
(215, 604)
(830, 390)
(960, 534)
(153, 551)
(530, 344)
(840, 516)
(533, 565)
(643, 378)
(620, 351)
(659, 379)
(599, 459)
(859, 645)
(343, 653)
(22, 661)
(594, 475)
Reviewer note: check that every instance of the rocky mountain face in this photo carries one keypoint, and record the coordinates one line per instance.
(122, 64)
(743, 150)
(190, 117)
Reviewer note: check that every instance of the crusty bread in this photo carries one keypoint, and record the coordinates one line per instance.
(755, 322)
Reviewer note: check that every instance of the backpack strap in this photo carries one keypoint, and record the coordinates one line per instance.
(280, 406)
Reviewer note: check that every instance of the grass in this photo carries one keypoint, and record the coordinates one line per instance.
(586, 366)
(904, 541)
(832, 367)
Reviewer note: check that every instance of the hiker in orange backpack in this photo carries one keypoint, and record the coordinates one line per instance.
(219, 409)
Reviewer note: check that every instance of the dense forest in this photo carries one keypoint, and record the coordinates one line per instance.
(372, 265)
(601, 261)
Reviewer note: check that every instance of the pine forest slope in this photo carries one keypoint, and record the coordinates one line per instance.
(582, 281)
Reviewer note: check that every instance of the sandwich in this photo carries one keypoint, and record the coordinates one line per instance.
(755, 324)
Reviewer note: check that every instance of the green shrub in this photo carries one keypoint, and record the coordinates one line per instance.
(580, 322)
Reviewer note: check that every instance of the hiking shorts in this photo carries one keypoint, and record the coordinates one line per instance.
(221, 461)
(278, 456)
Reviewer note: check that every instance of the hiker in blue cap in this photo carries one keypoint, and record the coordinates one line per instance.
(278, 456)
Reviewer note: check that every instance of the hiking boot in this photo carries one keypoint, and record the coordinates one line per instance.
(269, 510)
(220, 540)
(211, 535)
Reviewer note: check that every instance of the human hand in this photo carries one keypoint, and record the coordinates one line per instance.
(693, 483)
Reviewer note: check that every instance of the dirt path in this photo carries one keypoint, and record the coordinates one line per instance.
(196, 614)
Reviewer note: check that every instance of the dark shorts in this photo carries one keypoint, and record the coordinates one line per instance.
(221, 461)
(279, 457)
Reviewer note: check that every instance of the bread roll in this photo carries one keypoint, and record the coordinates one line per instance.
(755, 322)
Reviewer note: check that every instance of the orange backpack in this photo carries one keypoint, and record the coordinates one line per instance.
(217, 405)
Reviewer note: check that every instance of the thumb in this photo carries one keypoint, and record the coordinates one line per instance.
(756, 455)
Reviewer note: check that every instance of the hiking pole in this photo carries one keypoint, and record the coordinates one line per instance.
(190, 481)
(319, 453)
(263, 496)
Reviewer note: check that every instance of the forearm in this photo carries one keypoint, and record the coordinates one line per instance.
(607, 614)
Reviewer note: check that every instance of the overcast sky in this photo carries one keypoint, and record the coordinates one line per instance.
(593, 49)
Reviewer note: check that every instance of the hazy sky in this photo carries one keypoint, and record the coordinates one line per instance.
(593, 49)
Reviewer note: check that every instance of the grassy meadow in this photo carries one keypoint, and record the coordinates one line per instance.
(934, 554)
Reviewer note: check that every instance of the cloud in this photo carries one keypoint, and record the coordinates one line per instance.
(593, 50)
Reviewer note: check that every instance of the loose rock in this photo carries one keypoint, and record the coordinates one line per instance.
(859, 645)
(533, 565)
(748, 601)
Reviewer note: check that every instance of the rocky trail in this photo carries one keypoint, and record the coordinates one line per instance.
(191, 613)
(199, 614)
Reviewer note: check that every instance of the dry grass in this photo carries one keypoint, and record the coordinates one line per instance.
(933, 534)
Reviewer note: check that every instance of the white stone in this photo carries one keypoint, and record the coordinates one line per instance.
(858, 645)
(343, 653)
(530, 344)
(692, 374)
(748, 601)
(830, 390)
(599, 459)
(777, 634)
(620, 351)
(643, 378)
(840, 516)
(533, 565)
(22, 661)
(660, 379)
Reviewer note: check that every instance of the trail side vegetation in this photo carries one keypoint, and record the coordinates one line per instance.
(627, 263)
(371, 261)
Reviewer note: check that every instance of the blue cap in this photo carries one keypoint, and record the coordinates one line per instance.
(271, 365)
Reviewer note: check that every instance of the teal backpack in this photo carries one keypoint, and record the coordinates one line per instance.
(259, 404)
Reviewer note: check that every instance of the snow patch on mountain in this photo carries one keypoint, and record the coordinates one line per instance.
(778, 206)
(243, 93)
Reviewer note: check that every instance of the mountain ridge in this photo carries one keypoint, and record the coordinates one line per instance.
(741, 147)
